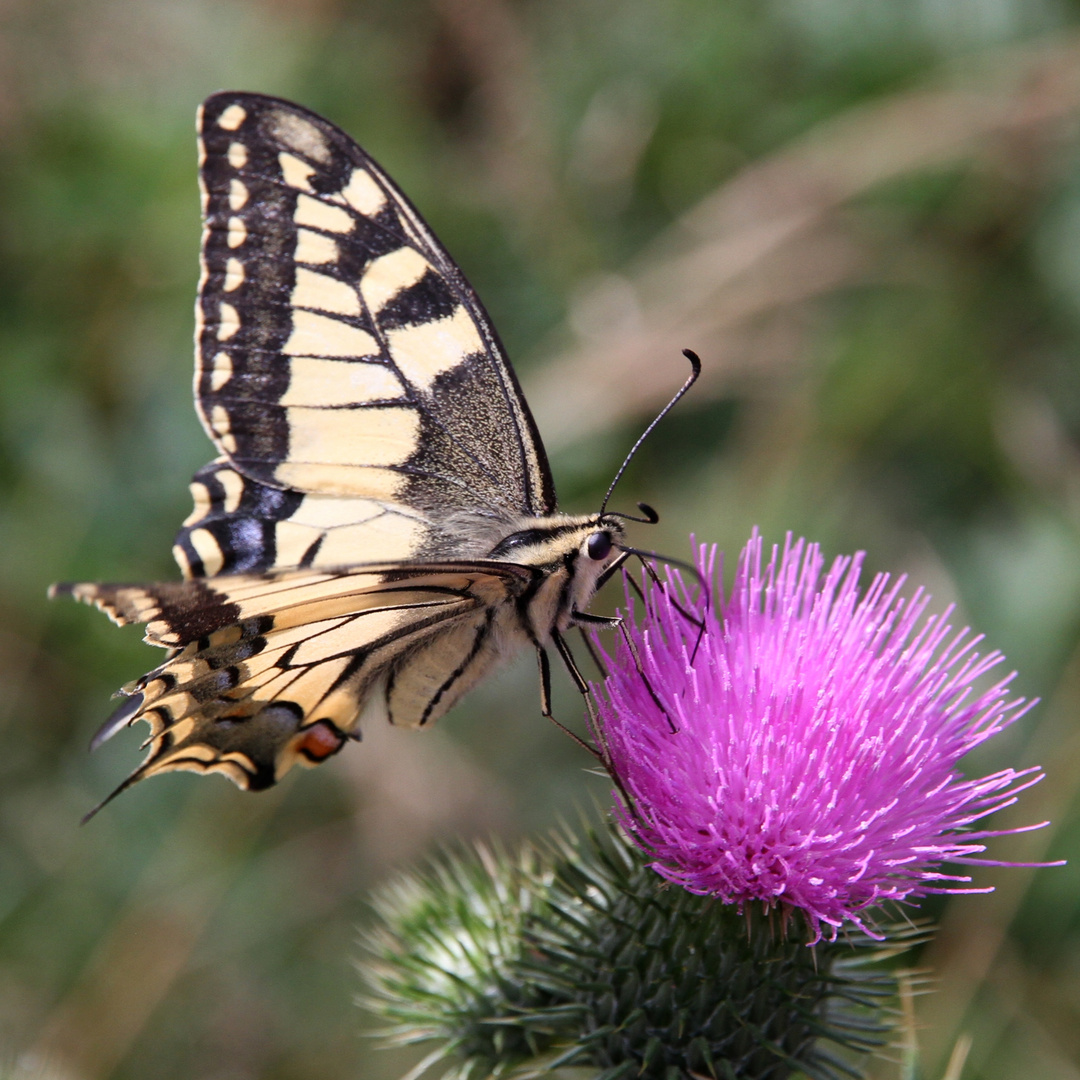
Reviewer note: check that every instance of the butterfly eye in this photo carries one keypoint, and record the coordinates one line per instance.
(599, 545)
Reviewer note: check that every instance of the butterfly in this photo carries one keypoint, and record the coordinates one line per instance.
(379, 530)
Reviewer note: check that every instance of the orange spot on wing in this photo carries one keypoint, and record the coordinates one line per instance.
(320, 741)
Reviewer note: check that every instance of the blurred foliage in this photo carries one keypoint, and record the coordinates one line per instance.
(864, 214)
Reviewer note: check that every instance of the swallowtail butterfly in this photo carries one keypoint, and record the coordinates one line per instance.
(379, 530)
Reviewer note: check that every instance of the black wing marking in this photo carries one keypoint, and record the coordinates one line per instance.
(239, 525)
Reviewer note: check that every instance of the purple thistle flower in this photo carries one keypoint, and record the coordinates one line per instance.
(800, 747)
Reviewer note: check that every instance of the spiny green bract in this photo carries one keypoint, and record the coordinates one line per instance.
(579, 955)
(441, 959)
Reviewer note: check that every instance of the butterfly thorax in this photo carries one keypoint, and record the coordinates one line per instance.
(568, 554)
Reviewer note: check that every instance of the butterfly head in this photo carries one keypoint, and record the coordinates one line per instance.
(562, 539)
(570, 556)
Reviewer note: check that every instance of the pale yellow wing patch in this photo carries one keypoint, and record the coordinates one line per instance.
(239, 525)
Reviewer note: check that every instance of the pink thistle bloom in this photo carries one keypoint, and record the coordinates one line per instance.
(802, 748)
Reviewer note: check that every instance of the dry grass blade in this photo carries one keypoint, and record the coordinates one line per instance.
(957, 1058)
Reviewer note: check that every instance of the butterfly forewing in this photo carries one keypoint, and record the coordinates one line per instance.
(341, 353)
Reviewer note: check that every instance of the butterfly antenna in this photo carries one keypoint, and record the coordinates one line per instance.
(695, 364)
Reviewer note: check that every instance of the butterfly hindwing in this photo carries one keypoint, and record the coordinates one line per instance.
(269, 671)
(340, 352)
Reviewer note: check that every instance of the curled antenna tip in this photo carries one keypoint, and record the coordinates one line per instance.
(695, 364)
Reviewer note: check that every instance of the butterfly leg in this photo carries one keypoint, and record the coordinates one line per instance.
(605, 622)
(545, 681)
(570, 663)
(601, 750)
(545, 690)
(645, 680)
(699, 623)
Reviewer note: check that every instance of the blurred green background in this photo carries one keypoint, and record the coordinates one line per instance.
(863, 214)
